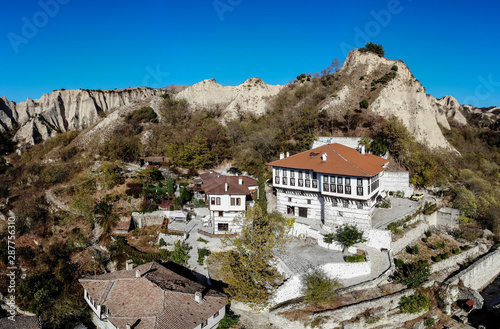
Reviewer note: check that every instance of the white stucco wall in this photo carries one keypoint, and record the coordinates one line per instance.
(396, 181)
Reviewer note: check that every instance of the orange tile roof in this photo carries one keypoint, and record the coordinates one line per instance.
(160, 298)
(341, 160)
(217, 185)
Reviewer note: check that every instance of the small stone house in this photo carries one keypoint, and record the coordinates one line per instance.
(152, 296)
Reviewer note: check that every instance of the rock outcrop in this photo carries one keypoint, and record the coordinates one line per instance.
(250, 96)
(402, 96)
(64, 110)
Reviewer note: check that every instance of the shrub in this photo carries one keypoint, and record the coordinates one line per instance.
(399, 263)
(412, 250)
(425, 240)
(385, 78)
(456, 251)
(328, 238)
(445, 255)
(162, 242)
(319, 288)
(414, 304)
(430, 209)
(429, 322)
(413, 274)
(364, 104)
(229, 320)
(394, 68)
(200, 239)
(437, 259)
(355, 258)
(428, 233)
(202, 253)
(465, 248)
(144, 114)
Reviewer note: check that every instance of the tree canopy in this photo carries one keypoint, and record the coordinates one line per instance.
(249, 266)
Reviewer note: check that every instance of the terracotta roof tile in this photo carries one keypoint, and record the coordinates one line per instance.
(340, 160)
(160, 298)
(218, 185)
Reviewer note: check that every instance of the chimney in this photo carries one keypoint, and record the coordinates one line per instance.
(198, 297)
(226, 187)
(323, 157)
(362, 149)
(129, 264)
(240, 181)
(282, 156)
(287, 154)
(137, 274)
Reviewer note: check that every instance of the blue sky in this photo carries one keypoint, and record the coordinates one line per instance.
(451, 46)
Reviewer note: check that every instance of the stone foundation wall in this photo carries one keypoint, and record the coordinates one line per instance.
(147, 219)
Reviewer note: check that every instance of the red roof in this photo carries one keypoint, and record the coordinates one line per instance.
(160, 298)
(218, 185)
(340, 160)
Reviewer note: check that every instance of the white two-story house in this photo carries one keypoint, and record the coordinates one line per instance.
(332, 183)
(226, 198)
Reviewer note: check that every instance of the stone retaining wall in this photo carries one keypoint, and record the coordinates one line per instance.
(385, 308)
(396, 181)
(410, 236)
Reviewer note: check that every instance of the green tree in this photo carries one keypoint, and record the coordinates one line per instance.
(465, 200)
(374, 48)
(349, 235)
(319, 288)
(262, 200)
(170, 187)
(248, 267)
(185, 196)
(180, 254)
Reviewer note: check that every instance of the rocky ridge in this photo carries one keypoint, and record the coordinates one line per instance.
(403, 96)
(64, 110)
(250, 96)
(34, 121)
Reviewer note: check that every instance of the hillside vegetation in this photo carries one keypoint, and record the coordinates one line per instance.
(57, 245)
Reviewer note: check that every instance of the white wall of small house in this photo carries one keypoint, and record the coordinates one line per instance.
(225, 202)
(213, 321)
(228, 219)
(356, 213)
(312, 202)
(102, 324)
(92, 303)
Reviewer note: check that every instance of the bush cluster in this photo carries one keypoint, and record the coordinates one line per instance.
(414, 304)
(355, 258)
